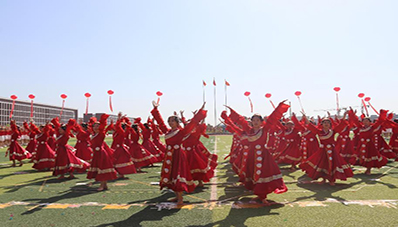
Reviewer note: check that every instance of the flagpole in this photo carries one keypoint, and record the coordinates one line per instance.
(215, 108)
(226, 96)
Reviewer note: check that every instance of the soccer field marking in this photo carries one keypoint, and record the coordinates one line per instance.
(206, 205)
(213, 194)
(42, 186)
(385, 172)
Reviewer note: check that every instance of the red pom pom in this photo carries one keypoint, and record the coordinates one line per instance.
(367, 99)
(13, 97)
(336, 89)
(110, 92)
(246, 93)
(268, 95)
(63, 96)
(297, 93)
(88, 95)
(31, 96)
(361, 95)
(159, 93)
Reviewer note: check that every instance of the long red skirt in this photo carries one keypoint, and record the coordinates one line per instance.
(101, 168)
(17, 152)
(141, 156)
(270, 177)
(45, 156)
(67, 162)
(84, 151)
(327, 165)
(150, 146)
(199, 164)
(122, 161)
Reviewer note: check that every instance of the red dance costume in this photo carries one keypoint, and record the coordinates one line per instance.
(259, 171)
(66, 160)
(309, 144)
(101, 168)
(288, 151)
(201, 165)
(367, 148)
(16, 151)
(51, 138)
(394, 138)
(45, 156)
(33, 131)
(346, 146)
(83, 146)
(327, 162)
(156, 137)
(175, 173)
(141, 156)
(121, 157)
(147, 143)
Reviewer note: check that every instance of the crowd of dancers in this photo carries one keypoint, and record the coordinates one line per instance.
(326, 149)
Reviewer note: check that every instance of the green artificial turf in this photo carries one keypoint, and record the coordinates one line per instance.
(359, 201)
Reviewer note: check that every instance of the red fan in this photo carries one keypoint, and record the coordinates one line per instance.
(247, 94)
(31, 104)
(87, 95)
(110, 93)
(298, 93)
(158, 93)
(336, 89)
(367, 99)
(63, 97)
(13, 97)
(268, 95)
(361, 95)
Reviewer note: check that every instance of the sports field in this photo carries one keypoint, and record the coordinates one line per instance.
(31, 198)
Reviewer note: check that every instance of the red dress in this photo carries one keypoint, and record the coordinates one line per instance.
(175, 173)
(141, 156)
(258, 168)
(346, 146)
(51, 138)
(83, 146)
(121, 157)
(45, 156)
(288, 151)
(381, 145)
(101, 168)
(148, 144)
(16, 151)
(394, 139)
(66, 160)
(32, 138)
(156, 138)
(369, 155)
(201, 166)
(327, 162)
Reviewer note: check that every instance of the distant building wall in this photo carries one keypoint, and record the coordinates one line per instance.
(41, 112)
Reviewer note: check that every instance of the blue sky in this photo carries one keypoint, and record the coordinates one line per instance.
(139, 47)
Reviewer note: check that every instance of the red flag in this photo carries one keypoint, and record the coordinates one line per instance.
(226, 83)
(204, 83)
(214, 81)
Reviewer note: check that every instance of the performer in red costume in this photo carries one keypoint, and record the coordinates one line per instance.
(175, 173)
(51, 137)
(15, 150)
(66, 161)
(288, 151)
(101, 168)
(327, 162)
(147, 143)
(121, 157)
(45, 156)
(82, 146)
(32, 139)
(309, 144)
(201, 166)
(367, 150)
(156, 136)
(394, 137)
(259, 170)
